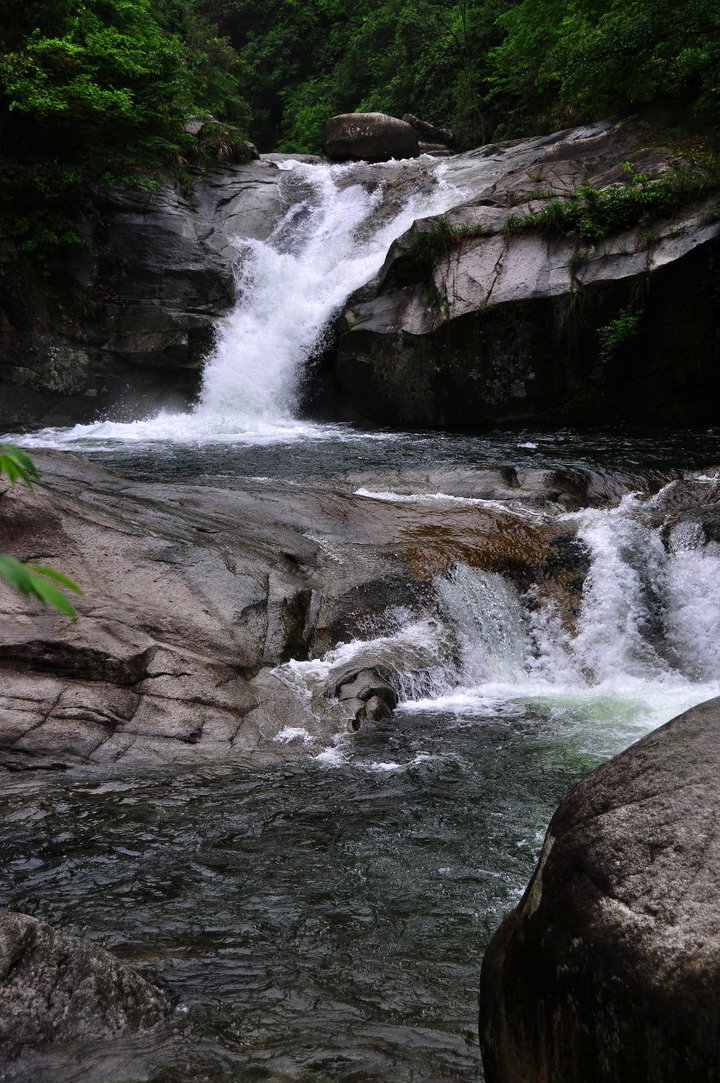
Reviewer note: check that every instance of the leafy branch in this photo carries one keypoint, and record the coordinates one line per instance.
(33, 580)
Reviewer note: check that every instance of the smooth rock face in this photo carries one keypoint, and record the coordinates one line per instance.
(609, 969)
(57, 988)
(469, 323)
(369, 137)
(195, 592)
(157, 273)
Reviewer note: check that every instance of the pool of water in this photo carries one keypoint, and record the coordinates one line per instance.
(321, 920)
(324, 919)
(304, 449)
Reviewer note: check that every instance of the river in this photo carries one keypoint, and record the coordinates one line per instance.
(323, 917)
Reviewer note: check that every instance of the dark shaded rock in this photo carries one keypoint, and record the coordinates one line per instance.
(470, 323)
(370, 137)
(429, 133)
(609, 969)
(138, 311)
(57, 988)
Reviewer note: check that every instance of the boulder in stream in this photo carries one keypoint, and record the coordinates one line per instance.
(369, 137)
(55, 987)
(609, 968)
(368, 693)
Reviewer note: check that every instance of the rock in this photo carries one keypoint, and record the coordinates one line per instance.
(57, 988)
(370, 137)
(428, 133)
(470, 324)
(156, 274)
(609, 968)
(368, 694)
(197, 594)
(437, 150)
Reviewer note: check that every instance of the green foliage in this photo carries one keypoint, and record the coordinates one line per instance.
(17, 464)
(216, 142)
(615, 334)
(94, 95)
(33, 580)
(36, 581)
(590, 214)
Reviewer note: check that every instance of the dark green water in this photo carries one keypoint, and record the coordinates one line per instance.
(315, 921)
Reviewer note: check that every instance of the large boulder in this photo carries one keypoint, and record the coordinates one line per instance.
(55, 988)
(370, 137)
(609, 968)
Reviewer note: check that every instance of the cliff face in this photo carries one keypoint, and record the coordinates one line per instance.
(145, 295)
(474, 320)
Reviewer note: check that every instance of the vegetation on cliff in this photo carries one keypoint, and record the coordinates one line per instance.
(96, 94)
(99, 93)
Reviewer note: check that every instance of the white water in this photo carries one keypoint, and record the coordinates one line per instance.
(646, 643)
(644, 646)
(333, 239)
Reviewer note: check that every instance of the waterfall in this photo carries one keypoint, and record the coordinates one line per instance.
(649, 613)
(643, 645)
(338, 227)
(332, 240)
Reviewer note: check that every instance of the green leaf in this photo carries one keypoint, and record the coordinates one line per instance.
(34, 581)
(16, 463)
(51, 573)
(49, 594)
(16, 573)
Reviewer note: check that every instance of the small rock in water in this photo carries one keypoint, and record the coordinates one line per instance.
(368, 694)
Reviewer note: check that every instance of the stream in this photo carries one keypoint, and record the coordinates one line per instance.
(323, 916)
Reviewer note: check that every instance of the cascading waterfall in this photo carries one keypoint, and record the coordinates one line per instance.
(644, 646)
(649, 622)
(338, 227)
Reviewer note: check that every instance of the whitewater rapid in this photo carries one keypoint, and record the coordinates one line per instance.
(333, 238)
(643, 646)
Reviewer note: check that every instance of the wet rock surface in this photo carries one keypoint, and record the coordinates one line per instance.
(471, 322)
(201, 596)
(58, 988)
(195, 592)
(609, 969)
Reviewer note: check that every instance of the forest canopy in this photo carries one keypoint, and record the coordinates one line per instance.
(97, 92)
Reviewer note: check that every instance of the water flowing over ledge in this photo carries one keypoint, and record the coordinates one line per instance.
(317, 897)
(332, 239)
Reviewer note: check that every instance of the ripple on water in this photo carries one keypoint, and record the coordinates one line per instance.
(318, 920)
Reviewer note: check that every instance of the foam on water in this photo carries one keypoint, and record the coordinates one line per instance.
(644, 646)
(332, 240)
